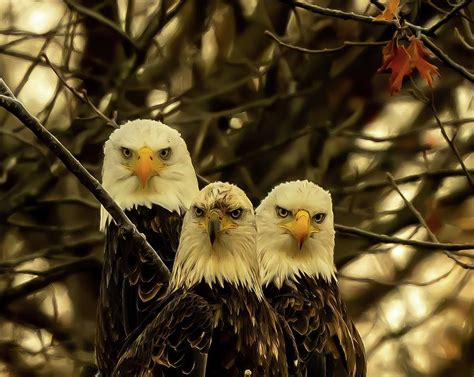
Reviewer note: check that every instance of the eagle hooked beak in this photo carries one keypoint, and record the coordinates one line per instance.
(300, 228)
(213, 225)
(145, 166)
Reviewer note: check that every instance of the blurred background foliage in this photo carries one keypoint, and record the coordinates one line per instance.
(255, 113)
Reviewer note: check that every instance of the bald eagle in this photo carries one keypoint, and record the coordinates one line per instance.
(215, 320)
(295, 225)
(148, 171)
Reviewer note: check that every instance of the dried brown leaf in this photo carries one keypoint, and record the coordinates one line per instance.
(390, 11)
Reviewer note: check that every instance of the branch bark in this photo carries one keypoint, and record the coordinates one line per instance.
(435, 174)
(12, 105)
(383, 238)
(49, 276)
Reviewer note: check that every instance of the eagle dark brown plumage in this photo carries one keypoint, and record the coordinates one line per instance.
(214, 320)
(129, 285)
(224, 330)
(329, 344)
(296, 249)
(148, 171)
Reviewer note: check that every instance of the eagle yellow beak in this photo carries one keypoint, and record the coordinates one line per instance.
(145, 166)
(214, 224)
(300, 228)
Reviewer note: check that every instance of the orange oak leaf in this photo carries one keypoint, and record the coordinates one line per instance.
(397, 59)
(388, 52)
(390, 11)
(418, 53)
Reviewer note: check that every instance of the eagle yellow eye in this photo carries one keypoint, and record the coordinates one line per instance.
(282, 212)
(126, 152)
(236, 213)
(198, 212)
(319, 217)
(165, 153)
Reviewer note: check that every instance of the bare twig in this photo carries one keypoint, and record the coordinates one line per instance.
(447, 60)
(452, 146)
(54, 251)
(463, 39)
(367, 19)
(441, 306)
(81, 95)
(397, 283)
(336, 13)
(17, 137)
(325, 50)
(412, 208)
(448, 16)
(47, 277)
(435, 174)
(129, 17)
(423, 223)
(383, 238)
(103, 20)
(258, 151)
(403, 134)
(12, 105)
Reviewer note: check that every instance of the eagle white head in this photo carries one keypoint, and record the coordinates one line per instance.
(295, 226)
(218, 241)
(146, 163)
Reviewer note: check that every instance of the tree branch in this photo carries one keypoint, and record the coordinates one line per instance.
(81, 95)
(48, 277)
(336, 13)
(397, 283)
(367, 19)
(448, 16)
(263, 149)
(363, 187)
(12, 105)
(447, 60)
(423, 223)
(383, 238)
(452, 146)
(103, 20)
(325, 50)
(405, 133)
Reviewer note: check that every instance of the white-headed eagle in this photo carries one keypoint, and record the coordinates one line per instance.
(148, 171)
(215, 320)
(295, 225)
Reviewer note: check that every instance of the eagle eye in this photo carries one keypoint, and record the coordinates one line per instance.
(165, 153)
(319, 217)
(282, 212)
(198, 212)
(236, 213)
(127, 153)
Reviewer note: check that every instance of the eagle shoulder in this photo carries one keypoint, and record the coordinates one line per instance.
(130, 284)
(177, 339)
(327, 339)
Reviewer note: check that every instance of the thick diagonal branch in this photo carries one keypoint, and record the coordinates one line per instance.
(15, 107)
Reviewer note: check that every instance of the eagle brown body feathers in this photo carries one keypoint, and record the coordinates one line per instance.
(328, 342)
(239, 333)
(129, 284)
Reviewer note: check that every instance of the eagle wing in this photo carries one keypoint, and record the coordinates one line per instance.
(343, 344)
(175, 342)
(329, 345)
(130, 284)
(304, 319)
(141, 285)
